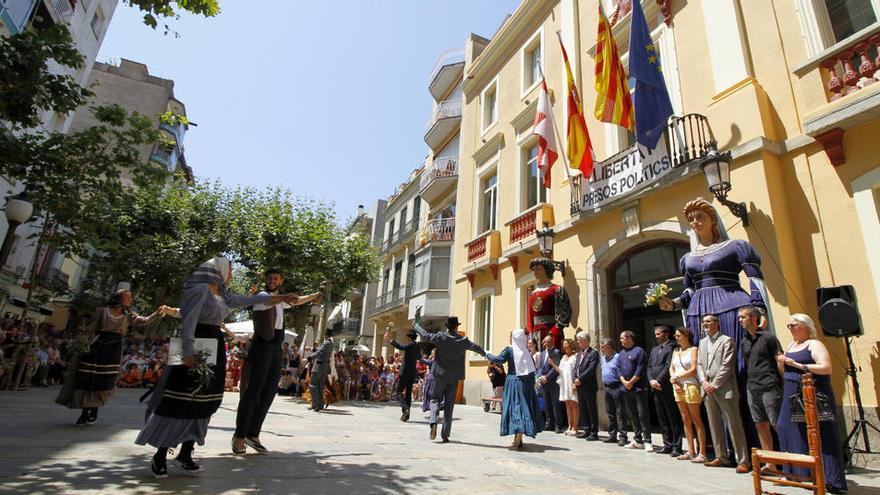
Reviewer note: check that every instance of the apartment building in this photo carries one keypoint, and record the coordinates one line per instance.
(785, 87)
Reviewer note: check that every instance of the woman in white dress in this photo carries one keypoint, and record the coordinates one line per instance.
(567, 390)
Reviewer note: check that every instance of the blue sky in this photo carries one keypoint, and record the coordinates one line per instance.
(328, 99)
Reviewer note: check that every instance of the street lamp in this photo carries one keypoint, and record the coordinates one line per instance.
(716, 168)
(18, 211)
(545, 245)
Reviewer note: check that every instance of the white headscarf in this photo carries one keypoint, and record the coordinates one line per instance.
(217, 271)
(522, 358)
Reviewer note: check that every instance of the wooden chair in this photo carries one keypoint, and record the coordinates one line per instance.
(811, 460)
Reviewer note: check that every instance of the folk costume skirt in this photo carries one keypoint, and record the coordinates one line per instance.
(177, 412)
(91, 379)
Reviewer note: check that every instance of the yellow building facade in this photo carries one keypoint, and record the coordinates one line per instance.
(781, 85)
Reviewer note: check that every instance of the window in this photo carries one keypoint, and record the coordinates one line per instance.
(390, 230)
(97, 22)
(531, 63)
(386, 280)
(420, 281)
(847, 17)
(489, 203)
(403, 225)
(398, 275)
(417, 211)
(483, 322)
(525, 291)
(439, 268)
(535, 192)
(490, 105)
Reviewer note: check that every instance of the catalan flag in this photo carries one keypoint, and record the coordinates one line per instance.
(580, 150)
(614, 104)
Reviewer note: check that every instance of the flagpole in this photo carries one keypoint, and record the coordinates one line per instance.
(556, 135)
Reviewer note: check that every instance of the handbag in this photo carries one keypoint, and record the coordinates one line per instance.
(824, 409)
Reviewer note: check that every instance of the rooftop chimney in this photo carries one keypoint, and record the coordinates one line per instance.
(360, 210)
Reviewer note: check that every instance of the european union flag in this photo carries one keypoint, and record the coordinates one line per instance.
(651, 99)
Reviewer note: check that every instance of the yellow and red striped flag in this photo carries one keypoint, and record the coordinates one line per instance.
(580, 150)
(614, 104)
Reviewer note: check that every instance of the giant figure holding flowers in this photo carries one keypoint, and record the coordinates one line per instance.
(711, 274)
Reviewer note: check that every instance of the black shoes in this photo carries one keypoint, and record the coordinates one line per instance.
(444, 440)
(610, 440)
(665, 450)
(593, 438)
(186, 463)
(433, 431)
(404, 416)
(560, 429)
(159, 468)
(582, 435)
(83, 418)
(236, 450)
(256, 445)
(622, 442)
(675, 452)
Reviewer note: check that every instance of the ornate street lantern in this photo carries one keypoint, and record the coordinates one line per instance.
(716, 168)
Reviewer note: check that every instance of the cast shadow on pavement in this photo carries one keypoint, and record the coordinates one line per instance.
(527, 447)
(293, 472)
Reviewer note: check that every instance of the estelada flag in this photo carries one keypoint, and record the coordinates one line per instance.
(580, 150)
(544, 129)
(614, 103)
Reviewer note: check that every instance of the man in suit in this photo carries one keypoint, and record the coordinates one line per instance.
(661, 392)
(320, 370)
(716, 363)
(411, 354)
(447, 369)
(587, 386)
(547, 376)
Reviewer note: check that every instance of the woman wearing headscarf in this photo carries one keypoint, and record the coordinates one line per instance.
(180, 409)
(91, 379)
(519, 404)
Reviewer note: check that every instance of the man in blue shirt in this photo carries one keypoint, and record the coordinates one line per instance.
(613, 393)
(633, 362)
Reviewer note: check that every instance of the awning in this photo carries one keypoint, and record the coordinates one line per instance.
(246, 327)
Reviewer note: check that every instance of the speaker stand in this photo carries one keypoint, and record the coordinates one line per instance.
(860, 425)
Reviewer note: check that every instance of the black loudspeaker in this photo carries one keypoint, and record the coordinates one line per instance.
(839, 311)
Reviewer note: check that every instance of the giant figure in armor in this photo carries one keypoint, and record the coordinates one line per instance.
(549, 310)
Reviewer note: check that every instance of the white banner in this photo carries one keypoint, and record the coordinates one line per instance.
(625, 175)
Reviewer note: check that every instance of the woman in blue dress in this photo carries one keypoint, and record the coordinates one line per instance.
(806, 354)
(711, 277)
(519, 404)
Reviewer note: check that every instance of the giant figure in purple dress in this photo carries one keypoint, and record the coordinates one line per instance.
(711, 277)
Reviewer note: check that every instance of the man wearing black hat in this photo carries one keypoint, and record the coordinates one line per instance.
(411, 354)
(264, 366)
(447, 369)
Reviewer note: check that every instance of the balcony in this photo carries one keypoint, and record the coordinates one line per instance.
(400, 235)
(686, 138)
(446, 73)
(522, 228)
(486, 246)
(16, 14)
(177, 132)
(388, 301)
(438, 230)
(55, 280)
(445, 119)
(347, 327)
(438, 179)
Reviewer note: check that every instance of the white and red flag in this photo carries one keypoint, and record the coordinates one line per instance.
(547, 153)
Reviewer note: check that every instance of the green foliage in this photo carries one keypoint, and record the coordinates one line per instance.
(164, 9)
(173, 119)
(27, 88)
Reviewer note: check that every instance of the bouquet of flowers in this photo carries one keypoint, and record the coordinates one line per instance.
(656, 292)
(202, 374)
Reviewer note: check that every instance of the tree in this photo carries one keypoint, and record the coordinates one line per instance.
(163, 9)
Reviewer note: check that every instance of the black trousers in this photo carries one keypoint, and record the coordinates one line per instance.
(589, 410)
(264, 372)
(552, 406)
(668, 416)
(637, 405)
(614, 408)
(404, 391)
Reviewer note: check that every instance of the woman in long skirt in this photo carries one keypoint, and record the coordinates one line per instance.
(519, 404)
(91, 378)
(181, 406)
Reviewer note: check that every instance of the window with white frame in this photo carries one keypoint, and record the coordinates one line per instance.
(847, 17)
(534, 191)
(525, 292)
(483, 323)
(531, 62)
(97, 22)
(490, 105)
(489, 202)
(420, 278)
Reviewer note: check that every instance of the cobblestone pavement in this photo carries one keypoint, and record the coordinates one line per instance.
(351, 448)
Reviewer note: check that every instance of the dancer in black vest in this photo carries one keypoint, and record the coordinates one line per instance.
(411, 354)
(264, 365)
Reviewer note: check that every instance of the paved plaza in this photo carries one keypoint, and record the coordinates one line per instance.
(358, 448)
